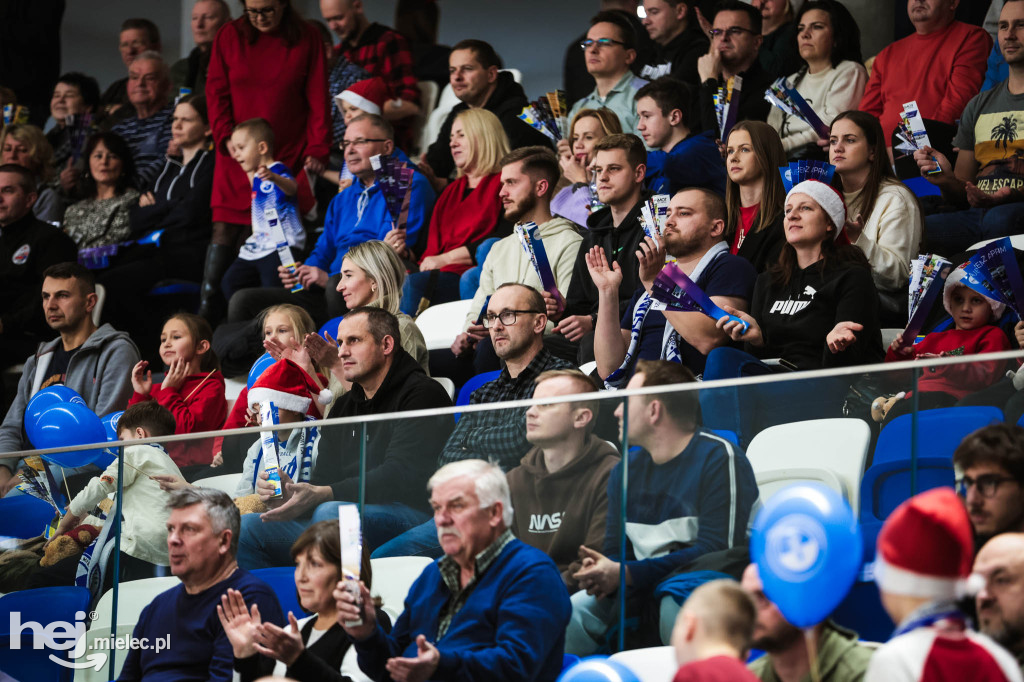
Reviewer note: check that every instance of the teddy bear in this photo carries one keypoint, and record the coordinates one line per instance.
(69, 544)
(250, 504)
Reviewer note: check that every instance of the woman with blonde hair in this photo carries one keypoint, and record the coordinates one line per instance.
(575, 155)
(754, 193)
(371, 275)
(26, 145)
(467, 212)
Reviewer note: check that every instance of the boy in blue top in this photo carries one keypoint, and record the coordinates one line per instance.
(275, 215)
(678, 157)
(690, 494)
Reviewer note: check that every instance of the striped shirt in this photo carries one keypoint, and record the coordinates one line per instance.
(450, 575)
(344, 74)
(148, 139)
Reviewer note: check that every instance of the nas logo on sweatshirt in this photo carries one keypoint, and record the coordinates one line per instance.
(545, 523)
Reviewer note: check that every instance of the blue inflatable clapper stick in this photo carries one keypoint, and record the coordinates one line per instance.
(351, 553)
(284, 252)
(268, 441)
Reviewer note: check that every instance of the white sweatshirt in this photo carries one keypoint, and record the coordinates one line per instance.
(829, 92)
(891, 237)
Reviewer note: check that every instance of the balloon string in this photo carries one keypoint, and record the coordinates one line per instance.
(812, 653)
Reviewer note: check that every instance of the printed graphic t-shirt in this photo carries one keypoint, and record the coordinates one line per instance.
(993, 125)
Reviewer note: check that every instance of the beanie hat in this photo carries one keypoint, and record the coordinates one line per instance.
(827, 197)
(926, 547)
(956, 278)
(368, 95)
(289, 387)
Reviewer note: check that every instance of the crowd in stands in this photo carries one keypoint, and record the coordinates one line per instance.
(197, 177)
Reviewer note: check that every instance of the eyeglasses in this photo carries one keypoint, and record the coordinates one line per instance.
(507, 317)
(264, 13)
(345, 144)
(600, 42)
(987, 484)
(732, 32)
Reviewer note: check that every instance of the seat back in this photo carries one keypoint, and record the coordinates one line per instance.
(944, 427)
(101, 298)
(833, 451)
(448, 384)
(24, 516)
(45, 606)
(474, 383)
(133, 597)
(441, 323)
(225, 482)
(392, 578)
(653, 664)
(282, 581)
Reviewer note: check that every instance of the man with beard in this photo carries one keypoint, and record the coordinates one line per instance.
(516, 320)
(528, 179)
(693, 235)
(1000, 563)
(840, 657)
(990, 477)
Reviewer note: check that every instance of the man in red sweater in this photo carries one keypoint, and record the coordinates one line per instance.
(941, 66)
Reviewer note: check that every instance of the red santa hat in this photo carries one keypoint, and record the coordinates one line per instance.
(289, 387)
(368, 95)
(926, 548)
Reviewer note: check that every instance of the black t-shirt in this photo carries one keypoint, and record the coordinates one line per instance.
(57, 372)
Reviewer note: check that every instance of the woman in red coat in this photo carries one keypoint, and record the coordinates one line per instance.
(267, 64)
(467, 212)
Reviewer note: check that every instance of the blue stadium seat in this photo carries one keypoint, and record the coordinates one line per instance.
(939, 432)
(282, 581)
(24, 516)
(476, 382)
(170, 287)
(331, 327)
(728, 435)
(921, 187)
(44, 606)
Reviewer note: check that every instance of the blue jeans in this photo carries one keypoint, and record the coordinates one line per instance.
(417, 286)
(948, 234)
(470, 280)
(265, 544)
(419, 541)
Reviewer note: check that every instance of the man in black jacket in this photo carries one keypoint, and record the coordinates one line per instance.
(475, 74)
(620, 163)
(27, 247)
(400, 454)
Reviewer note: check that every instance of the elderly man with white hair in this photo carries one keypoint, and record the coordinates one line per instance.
(492, 608)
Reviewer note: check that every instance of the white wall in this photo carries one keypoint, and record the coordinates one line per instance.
(530, 35)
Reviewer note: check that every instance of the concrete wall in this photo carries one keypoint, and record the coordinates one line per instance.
(530, 35)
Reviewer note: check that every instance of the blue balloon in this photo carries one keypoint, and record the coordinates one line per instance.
(258, 368)
(70, 424)
(43, 400)
(331, 326)
(598, 669)
(110, 424)
(807, 546)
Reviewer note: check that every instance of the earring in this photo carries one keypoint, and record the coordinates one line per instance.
(373, 288)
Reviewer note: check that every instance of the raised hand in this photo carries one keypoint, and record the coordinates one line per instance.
(239, 623)
(142, 378)
(605, 278)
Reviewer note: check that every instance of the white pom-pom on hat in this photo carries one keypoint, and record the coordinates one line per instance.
(325, 396)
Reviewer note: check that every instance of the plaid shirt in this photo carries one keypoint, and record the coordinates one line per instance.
(499, 435)
(344, 74)
(450, 575)
(385, 53)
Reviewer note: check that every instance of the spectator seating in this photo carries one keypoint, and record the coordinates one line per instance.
(783, 454)
(226, 482)
(653, 664)
(282, 580)
(24, 516)
(448, 384)
(331, 327)
(132, 597)
(939, 432)
(44, 606)
(441, 323)
(474, 383)
(1016, 240)
(392, 578)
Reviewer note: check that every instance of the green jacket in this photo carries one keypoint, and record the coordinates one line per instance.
(840, 658)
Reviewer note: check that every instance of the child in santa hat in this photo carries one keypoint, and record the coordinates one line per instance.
(925, 552)
(295, 395)
(974, 331)
(363, 97)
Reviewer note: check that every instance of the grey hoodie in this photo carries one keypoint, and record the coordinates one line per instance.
(100, 372)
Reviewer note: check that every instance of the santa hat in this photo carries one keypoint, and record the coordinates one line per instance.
(289, 387)
(956, 278)
(926, 548)
(368, 95)
(827, 197)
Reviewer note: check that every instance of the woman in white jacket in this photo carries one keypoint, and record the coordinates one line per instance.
(884, 218)
(832, 79)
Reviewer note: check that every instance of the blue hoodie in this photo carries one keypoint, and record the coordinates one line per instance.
(694, 162)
